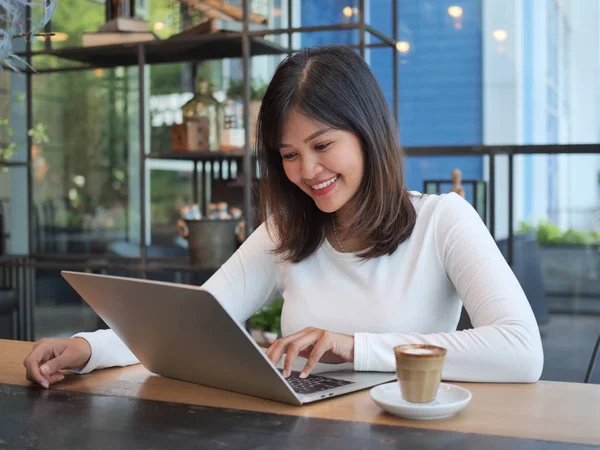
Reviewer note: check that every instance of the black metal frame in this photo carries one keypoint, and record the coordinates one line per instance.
(473, 183)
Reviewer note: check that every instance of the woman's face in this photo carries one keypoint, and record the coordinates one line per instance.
(327, 164)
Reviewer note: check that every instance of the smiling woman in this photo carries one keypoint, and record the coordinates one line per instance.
(326, 128)
(362, 264)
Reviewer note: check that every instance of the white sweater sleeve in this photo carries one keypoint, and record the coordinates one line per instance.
(505, 344)
(242, 285)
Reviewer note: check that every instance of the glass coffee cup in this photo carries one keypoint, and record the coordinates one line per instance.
(419, 369)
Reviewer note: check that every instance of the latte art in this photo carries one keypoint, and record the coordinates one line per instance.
(419, 351)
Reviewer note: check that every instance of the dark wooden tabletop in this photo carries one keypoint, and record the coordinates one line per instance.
(130, 407)
(49, 419)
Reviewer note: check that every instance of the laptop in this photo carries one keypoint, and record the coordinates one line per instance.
(182, 332)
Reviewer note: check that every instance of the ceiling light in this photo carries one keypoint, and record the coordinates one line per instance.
(402, 46)
(500, 35)
(455, 11)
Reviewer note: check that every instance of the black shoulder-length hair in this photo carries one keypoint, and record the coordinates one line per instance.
(334, 86)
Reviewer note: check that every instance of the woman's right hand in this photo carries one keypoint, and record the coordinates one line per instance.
(50, 356)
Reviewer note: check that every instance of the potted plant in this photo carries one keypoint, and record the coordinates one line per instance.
(266, 324)
(570, 263)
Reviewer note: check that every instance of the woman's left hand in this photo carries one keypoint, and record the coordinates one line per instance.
(315, 345)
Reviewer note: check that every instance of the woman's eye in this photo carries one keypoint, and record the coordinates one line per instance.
(288, 156)
(322, 146)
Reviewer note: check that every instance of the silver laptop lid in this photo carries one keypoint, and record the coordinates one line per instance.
(183, 332)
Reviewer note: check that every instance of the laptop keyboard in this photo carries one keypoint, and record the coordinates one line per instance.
(313, 383)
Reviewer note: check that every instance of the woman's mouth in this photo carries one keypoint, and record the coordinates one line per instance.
(325, 187)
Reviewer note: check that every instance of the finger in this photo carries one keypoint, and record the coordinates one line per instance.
(31, 377)
(283, 341)
(56, 378)
(323, 345)
(62, 359)
(53, 365)
(32, 366)
(276, 350)
(33, 374)
(296, 346)
(305, 352)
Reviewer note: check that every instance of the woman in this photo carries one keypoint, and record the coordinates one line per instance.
(362, 263)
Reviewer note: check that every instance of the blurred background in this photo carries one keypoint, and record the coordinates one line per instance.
(99, 160)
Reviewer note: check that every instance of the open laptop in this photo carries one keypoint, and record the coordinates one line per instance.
(182, 332)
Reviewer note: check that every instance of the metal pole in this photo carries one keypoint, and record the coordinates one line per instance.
(142, 131)
(510, 250)
(248, 212)
(28, 302)
(108, 11)
(289, 25)
(195, 183)
(492, 163)
(361, 27)
(395, 58)
(379, 35)
(48, 29)
(28, 126)
(16, 283)
(32, 297)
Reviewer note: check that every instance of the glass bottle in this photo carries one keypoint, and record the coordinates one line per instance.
(232, 137)
(204, 107)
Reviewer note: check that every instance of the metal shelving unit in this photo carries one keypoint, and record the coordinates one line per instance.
(245, 44)
(222, 45)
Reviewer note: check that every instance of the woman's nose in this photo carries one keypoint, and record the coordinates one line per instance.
(310, 167)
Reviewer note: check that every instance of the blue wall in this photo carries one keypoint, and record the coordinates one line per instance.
(328, 12)
(440, 78)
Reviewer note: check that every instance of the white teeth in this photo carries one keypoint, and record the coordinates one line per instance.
(323, 185)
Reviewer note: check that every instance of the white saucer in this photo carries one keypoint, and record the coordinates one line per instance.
(449, 400)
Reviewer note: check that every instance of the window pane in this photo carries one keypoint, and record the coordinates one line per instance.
(85, 136)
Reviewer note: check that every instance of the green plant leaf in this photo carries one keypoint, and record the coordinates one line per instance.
(269, 317)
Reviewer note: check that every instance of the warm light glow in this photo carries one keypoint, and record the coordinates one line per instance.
(455, 11)
(58, 36)
(159, 26)
(500, 35)
(355, 10)
(276, 12)
(347, 11)
(98, 72)
(402, 46)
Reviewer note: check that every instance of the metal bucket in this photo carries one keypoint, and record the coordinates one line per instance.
(211, 242)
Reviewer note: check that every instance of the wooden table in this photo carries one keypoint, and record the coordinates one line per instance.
(515, 416)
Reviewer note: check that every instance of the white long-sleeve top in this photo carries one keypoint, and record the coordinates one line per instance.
(412, 296)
